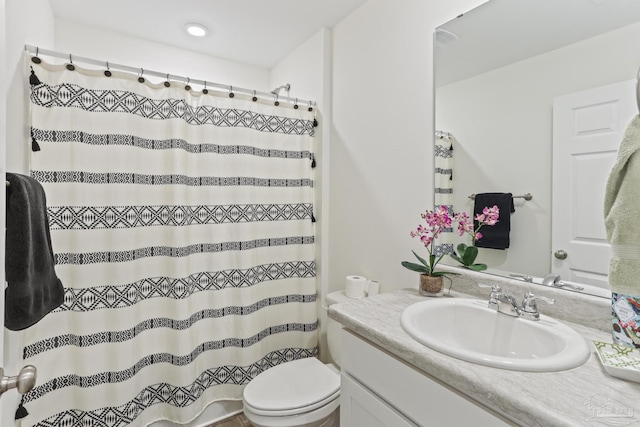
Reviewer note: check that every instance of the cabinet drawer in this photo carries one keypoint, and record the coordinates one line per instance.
(360, 408)
(419, 397)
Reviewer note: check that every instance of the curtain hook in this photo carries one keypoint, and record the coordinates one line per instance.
(167, 83)
(310, 107)
(187, 87)
(255, 98)
(295, 106)
(276, 103)
(35, 59)
(107, 72)
(231, 94)
(70, 65)
(140, 78)
(205, 90)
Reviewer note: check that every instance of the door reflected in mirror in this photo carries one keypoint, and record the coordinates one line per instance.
(498, 70)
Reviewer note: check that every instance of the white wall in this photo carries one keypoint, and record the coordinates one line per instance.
(23, 26)
(382, 136)
(303, 68)
(104, 45)
(507, 147)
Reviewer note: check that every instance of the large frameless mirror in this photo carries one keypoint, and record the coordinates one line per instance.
(498, 71)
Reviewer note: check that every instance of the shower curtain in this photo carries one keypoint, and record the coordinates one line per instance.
(443, 191)
(183, 232)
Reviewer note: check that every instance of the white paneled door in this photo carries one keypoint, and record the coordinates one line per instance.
(587, 129)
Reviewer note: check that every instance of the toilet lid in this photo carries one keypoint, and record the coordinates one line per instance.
(292, 385)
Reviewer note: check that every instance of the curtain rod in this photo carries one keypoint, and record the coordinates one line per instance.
(37, 51)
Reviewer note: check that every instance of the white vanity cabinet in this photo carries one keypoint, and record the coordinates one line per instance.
(379, 390)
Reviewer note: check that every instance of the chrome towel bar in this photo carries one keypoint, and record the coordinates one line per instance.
(527, 196)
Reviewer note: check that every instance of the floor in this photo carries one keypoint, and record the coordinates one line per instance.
(236, 421)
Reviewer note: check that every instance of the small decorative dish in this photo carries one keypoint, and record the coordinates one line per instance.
(619, 361)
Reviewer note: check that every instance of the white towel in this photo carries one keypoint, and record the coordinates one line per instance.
(622, 214)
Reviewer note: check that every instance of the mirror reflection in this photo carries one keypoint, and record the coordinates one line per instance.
(499, 69)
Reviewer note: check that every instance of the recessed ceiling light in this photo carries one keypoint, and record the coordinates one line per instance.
(195, 29)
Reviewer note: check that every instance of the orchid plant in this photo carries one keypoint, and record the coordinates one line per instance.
(466, 255)
(437, 221)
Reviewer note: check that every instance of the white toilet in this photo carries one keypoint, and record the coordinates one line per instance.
(301, 393)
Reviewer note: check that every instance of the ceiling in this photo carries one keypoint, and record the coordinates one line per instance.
(501, 32)
(254, 32)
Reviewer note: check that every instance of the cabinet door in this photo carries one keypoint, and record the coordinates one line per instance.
(361, 408)
(406, 389)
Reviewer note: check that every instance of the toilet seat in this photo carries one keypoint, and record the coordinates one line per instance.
(294, 411)
(328, 415)
(292, 388)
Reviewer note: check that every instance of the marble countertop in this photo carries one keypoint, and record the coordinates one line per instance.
(584, 396)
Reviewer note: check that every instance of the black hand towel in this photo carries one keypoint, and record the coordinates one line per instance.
(33, 288)
(496, 236)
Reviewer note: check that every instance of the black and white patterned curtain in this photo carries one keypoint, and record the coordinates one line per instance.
(443, 187)
(182, 228)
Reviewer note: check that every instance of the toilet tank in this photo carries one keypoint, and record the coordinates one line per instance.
(333, 327)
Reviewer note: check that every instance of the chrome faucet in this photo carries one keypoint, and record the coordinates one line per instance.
(505, 303)
(551, 280)
(524, 277)
(555, 281)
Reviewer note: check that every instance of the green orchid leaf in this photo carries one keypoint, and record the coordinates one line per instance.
(470, 255)
(422, 260)
(416, 267)
(478, 267)
(457, 258)
(461, 248)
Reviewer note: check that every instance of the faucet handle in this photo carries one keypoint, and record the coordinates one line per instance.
(530, 307)
(494, 288)
(529, 297)
(524, 277)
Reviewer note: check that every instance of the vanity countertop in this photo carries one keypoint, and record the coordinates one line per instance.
(584, 396)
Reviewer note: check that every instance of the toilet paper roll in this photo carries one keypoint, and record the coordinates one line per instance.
(355, 286)
(373, 288)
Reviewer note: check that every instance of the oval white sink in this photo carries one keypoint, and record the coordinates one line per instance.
(467, 329)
